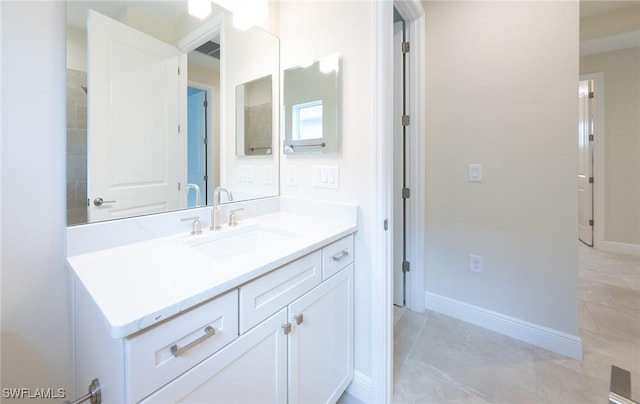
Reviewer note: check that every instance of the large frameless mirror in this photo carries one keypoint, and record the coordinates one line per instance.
(151, 105)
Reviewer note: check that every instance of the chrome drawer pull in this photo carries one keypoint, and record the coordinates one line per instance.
(208, 333)
(340, 256)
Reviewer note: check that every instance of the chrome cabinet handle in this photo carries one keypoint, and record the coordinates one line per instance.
(286, 328)
(208, 333)
(99, 201)
(299, 318)
(339, 257)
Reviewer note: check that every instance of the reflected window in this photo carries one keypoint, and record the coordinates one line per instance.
(307, 120)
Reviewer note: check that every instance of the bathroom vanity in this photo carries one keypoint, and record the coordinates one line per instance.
(259, 312)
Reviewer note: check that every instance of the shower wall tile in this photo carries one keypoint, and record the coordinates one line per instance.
(76, 147)
(258, 124)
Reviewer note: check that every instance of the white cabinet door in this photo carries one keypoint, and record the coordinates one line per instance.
(321, 341)
(252, 369)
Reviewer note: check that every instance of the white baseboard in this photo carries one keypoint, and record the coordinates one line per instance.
(361, 387)
(552, 340)
(621, 248)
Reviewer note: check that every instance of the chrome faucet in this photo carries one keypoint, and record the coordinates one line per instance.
(215, 213)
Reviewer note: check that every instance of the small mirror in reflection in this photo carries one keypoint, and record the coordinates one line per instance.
(311, 107)
(254, 117)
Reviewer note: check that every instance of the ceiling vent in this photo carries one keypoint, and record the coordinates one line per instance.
(210, 48)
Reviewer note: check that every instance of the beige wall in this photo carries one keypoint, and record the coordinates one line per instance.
(621, 141)
(621, 20)
(502, 91)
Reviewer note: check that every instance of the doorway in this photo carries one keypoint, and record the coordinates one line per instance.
(401, 191)
(407, 165)
(586, 137)
(198, 155)
(381, 301)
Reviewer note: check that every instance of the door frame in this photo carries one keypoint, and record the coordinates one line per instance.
(212, 147)
(382, 121)
(598, 157)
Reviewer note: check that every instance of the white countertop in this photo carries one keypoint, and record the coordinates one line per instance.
(143, 283)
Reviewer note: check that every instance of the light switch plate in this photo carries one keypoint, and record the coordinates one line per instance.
(326, 177)
(475, 172)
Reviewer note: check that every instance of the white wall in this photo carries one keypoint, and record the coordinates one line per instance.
(501, 91)
(310, 30)
(621, 144)
(35, 333)
(237, 65)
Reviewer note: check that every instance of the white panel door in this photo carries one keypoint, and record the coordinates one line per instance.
(134, 113)
(399, 211)
(585, 164)
(321, 341)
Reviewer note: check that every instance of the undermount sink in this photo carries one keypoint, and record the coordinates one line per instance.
(242, 242)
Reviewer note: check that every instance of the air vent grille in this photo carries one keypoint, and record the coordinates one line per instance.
(210, 48)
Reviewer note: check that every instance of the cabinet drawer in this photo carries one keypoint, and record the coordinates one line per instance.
(251, 369)
(159, 355)
(336, 256)
(264, 296)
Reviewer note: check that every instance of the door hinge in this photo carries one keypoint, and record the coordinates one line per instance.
(178, 70)
(406, 193)
(590, 180)
(385, 224)
(406, 266)
(591, 222)
(405, 120)
(591, 94)
(206, 178)
(591, 138)
(206, 104)
(178, 186)
(178, 128)
(405, 47)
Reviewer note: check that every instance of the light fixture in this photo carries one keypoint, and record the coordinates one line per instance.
(330, 63)
(199, 8)
(246, 13)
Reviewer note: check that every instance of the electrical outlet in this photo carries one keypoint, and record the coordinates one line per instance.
(268, 175)
(292, 176)
(475, 263)
(245, 173)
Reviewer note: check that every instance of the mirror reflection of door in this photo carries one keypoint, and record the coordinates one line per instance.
(197, 141)
(134, 149)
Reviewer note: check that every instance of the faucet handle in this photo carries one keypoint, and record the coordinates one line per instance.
(233, 218)
(196, 226)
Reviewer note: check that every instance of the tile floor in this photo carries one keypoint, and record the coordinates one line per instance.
(442, 360)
